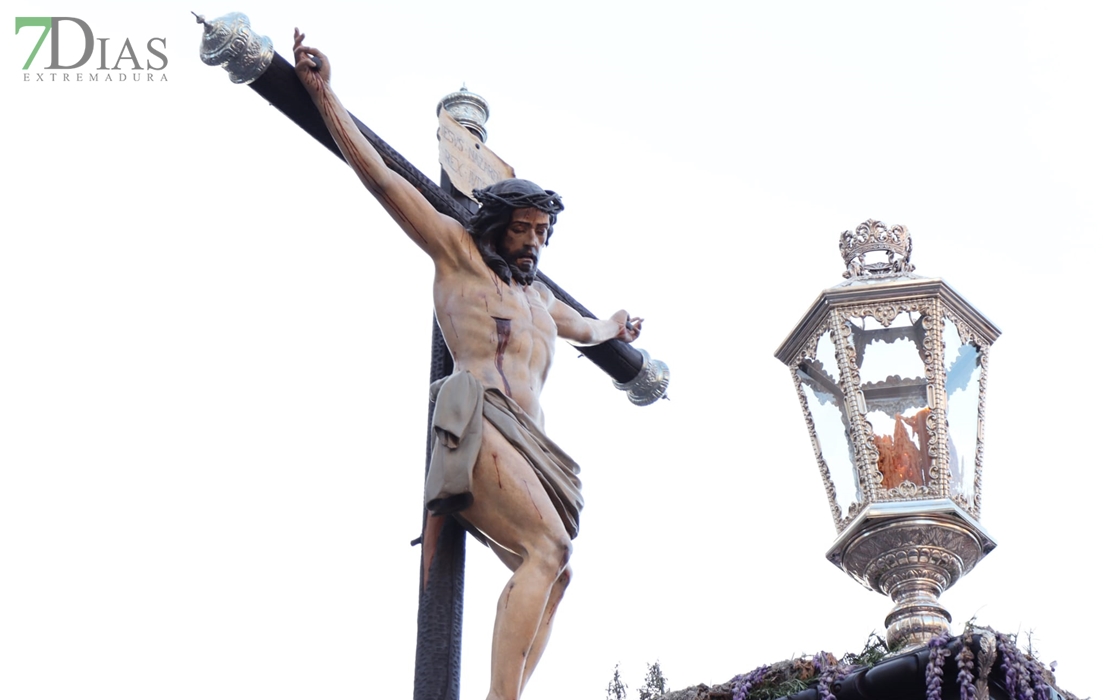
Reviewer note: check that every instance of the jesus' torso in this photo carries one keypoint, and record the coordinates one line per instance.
(500, 332)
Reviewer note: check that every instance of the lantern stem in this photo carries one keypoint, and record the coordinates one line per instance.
(917, 615)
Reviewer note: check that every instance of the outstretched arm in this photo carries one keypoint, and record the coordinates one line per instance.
(580, 330)
(432, 231)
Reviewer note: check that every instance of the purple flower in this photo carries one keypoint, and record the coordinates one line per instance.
(1039, 685)
(965, 661)
(1010, 663)
(828, 674)
(934, 671)
(1025, 678)
(743, 684)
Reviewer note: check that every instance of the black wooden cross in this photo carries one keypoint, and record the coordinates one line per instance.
(439, 620)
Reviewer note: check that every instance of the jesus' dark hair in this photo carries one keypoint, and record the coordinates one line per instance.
(488, 226)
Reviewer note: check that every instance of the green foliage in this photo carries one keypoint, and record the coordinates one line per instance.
(874, 651)
(616, 690)
(778, 690)
(655, 684)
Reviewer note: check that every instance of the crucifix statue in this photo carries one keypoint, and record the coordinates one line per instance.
(492, 469)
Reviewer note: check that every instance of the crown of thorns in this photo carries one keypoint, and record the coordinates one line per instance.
(520, 194)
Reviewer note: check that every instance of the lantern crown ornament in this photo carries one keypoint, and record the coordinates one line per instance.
(856, 247)
(890, 369)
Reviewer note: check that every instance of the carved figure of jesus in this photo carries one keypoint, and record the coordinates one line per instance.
(493, 467)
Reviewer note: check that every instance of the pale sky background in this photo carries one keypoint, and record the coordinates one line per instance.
(214, 346)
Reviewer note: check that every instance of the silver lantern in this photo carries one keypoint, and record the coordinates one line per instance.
(891, 372)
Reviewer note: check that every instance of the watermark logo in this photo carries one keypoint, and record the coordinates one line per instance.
(72, 38)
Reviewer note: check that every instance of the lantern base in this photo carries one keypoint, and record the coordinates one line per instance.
(913, 554)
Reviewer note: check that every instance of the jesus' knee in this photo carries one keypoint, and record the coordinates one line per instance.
(552, 557)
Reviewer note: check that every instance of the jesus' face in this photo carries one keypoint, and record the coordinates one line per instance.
(525, 235)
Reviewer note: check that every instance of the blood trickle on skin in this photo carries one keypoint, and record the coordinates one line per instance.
(504, 328)
(564, 579)
(533, 500)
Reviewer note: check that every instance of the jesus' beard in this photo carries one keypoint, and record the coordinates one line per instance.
(521, 276)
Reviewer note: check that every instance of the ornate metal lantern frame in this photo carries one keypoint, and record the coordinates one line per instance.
(891, 370)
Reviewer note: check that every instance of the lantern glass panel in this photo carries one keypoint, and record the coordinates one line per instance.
(963, 368)
(824, 401)
(891, 366)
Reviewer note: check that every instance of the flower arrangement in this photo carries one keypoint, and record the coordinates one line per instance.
(981, 656)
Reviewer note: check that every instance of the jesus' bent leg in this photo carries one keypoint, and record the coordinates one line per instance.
(512, 509)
